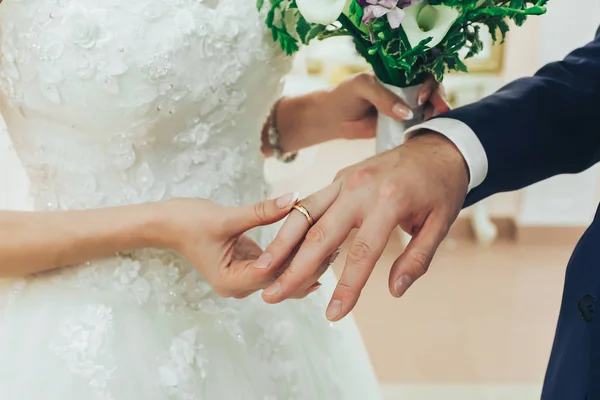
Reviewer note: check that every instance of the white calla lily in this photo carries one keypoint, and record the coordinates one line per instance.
(322, 12)
(422, 21)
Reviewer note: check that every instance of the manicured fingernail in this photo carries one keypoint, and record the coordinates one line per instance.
(402, 111)
(288, 199)
(273, 289)
(313, 289)
(263, 261)
(402, 284)
(334, 309)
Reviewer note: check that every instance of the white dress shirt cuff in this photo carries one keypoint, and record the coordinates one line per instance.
(464, 139)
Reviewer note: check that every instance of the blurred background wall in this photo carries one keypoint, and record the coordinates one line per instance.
(480, 324)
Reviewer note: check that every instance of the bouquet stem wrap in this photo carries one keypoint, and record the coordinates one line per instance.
(390, 132)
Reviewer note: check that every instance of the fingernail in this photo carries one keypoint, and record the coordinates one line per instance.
(273, 289)
(402, 284)
(287, 200)
(334, 309)
(263, 261)
(402, 111)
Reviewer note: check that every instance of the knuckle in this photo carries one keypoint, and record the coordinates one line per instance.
(389, 190)
(316, 235)
(365, 78)
(360, 252)
(343, 291)
(340, 174)
(361, 176)
(261, 212)
(420, 260)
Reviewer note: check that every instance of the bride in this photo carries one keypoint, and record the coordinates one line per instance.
(138, 123)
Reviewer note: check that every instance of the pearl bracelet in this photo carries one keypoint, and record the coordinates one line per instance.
(275, 139)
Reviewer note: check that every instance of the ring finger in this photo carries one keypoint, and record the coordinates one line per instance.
(295, 227)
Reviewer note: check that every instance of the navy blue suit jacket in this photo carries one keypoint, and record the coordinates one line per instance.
(532, 129)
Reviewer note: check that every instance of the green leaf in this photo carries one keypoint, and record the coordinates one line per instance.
(438, 70)
(475, 47)
(517, 4)
(302, 27)
(260, 4)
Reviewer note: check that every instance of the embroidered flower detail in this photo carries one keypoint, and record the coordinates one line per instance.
(86, 346)
(83, 31)
(182, 366)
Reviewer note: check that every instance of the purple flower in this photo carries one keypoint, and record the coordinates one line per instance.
(374, 9)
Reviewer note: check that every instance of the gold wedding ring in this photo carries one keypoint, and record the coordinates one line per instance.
(299, 207)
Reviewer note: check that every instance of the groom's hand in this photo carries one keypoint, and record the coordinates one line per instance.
(419, 186)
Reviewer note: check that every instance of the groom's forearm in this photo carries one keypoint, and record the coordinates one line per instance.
(300, 123)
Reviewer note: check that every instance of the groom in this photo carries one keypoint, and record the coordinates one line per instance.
(532, 129)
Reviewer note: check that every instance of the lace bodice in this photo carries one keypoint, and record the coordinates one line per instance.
(115, 102)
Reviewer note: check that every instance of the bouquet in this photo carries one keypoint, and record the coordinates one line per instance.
(404, 41)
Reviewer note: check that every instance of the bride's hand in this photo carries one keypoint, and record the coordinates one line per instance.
(211, 237)
(349, 111)
(353, 105)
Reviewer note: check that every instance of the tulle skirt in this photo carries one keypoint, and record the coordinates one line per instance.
(66, 341)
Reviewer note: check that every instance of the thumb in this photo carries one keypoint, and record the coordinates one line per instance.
(244, 218)
(415, 260)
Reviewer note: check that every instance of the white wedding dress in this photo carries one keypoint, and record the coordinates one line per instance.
(112, 102)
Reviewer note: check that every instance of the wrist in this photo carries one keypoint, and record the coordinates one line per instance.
(155, 226)
(326, 115)
(305, 119)
(443, 150)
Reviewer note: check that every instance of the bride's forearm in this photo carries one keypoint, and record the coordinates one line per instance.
(36, 241)
(301, 122)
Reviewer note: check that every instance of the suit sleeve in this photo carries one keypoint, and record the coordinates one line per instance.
(538, 127)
